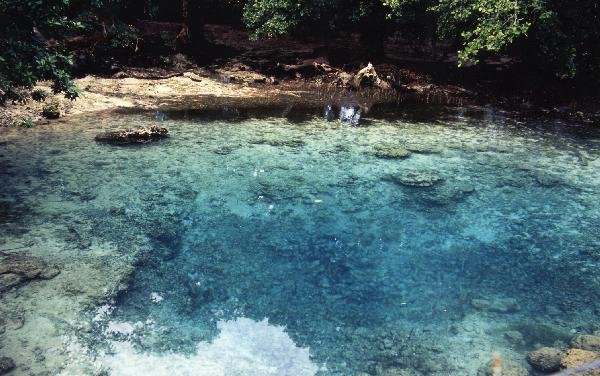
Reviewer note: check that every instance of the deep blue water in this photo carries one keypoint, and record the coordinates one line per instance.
(368, 262)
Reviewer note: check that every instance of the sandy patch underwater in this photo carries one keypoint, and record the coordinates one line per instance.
(416, 242)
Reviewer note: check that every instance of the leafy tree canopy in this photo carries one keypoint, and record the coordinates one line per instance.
(272, 18)
(562, 36)
(29, 50)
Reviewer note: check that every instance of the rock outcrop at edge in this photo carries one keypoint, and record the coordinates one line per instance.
(139, 135)
(368, 77)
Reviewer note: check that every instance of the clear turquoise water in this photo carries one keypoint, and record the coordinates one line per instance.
(298, 221)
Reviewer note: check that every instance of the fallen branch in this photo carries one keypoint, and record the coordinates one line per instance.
(318, 65)
(148, 75)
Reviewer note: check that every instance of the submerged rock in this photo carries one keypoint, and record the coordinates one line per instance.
(545, 359)
(278, 141)
(577, 357)
(17, 269)
(390, 151)
(6, 365)
(350, 114)
(500, 305)
(541, 332)
(546, 179)
(397, 372)
(224, 149)
(422, 148)
(328, 113)
(515, 337)
(412, 178)
(448, 193)
(280, 187)
(509, 368)
(139, 135)
(586, 342)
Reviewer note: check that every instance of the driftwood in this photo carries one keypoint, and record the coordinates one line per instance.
(368, 77)
(193, 76)
(148, 74)
(313, 66)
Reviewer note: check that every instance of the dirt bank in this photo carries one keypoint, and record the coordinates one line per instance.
(274, 71)
(193, 90)
(113, 93)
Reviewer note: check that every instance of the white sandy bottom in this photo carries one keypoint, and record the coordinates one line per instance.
(243, 347)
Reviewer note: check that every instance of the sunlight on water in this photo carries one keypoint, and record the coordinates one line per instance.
(417, 242)
(242, 347)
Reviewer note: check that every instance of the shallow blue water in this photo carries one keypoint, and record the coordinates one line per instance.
(304, 224)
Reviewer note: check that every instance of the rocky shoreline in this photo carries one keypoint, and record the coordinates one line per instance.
(206, 91)
(199, 88)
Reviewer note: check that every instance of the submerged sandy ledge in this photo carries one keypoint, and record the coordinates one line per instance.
(59, 257)
(37, 316)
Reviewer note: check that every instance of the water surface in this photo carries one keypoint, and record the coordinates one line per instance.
(295, 246)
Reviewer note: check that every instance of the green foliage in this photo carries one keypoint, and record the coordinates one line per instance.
(566, 40)
(482, 25)
(27, 123)
(39, 95)
(485, 25)
(397, 8)
(561, 37)
(29, 50)
(51, 110)
(121, 42)
(272, 18)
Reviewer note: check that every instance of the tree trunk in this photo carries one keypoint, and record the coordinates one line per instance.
(184, 35)
(374, 33)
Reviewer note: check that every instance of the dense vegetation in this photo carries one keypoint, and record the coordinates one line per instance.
(29, 48)
(558, 37)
